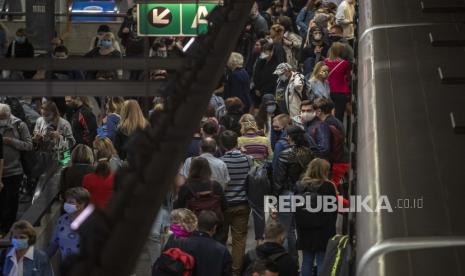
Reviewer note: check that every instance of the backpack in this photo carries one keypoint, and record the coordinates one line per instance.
(258, 185)
(173, 262)
(307, 92)
(307, 219)
(337, 144)
(206, 200)
(253, 256)
(338, 257)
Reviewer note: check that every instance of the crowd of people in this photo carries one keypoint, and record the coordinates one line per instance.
(275, 125)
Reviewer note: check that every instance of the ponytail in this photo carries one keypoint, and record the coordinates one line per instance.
(103, 167)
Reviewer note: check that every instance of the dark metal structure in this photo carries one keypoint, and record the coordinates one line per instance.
(411, 114)
(111, 240)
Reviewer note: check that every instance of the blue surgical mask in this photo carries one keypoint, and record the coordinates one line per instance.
(19, 244)
(271, 109)
(106, 43)
(70, 208)
(20, 39)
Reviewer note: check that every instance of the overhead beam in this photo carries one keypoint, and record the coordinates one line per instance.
(82, 63)
(82, 88)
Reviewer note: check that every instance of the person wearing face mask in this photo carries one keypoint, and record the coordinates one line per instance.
(267, 111)
(292, 162)
(319, 81)
(105, 49)
(336, 34)
(263, 78)
(52, 134)
(20, 47)
(133, 44)
(16, 139)
(83, 122)
(64, 238)
(294, 92)
(237, 82)
(101, 31)
(291, 42)
(279, 136)
(24, 259)
(305, 15)
(318, 133)
(316, 49)
(61, 52)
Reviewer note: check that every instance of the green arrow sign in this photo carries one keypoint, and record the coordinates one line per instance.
(168, 19)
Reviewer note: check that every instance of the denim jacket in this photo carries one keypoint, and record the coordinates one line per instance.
(39, 265)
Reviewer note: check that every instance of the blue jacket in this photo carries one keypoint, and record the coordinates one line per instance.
(279, 146)
(320, 137)
(39, 266)
(238, 85)
(109, 128)
(302, 21)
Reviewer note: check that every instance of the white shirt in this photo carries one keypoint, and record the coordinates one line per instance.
(219, 169)
(18, 269)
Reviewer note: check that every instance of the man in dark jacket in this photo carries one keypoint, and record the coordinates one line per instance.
(133, 44)
(318, 131)
(211, 257)
(83, 121)
(20, 48)
(273, 250)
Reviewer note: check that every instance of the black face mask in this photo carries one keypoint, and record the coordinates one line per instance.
(169, 41)
(335, 38)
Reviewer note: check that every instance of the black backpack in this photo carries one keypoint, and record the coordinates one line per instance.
(307, 219)
(253, 256)
(338, 257)
(258, 185)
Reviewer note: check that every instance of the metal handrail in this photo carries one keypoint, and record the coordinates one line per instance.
(406, 244)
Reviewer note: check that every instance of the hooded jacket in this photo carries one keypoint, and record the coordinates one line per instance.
(17, 130)
(287, 266)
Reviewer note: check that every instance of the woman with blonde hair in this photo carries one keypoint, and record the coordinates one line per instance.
(132, 119)
(315, 228)
(250, 143)
(106, 48)
(110, 122)
(82, 160)
(237, 83)
(319, 81)
(104, 147)
(339, 78)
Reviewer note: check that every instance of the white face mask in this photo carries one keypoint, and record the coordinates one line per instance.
(264, 56)
(283, 77)
(308, 116)
(317, 37)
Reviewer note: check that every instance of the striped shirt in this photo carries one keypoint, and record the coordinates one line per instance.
(258, 147)
(239, 166)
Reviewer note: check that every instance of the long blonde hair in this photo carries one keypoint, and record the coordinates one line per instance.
(317, 171)
(336, 51)
(132, 118)
(317, 70)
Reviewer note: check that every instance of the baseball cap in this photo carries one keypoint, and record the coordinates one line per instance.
(282, 68)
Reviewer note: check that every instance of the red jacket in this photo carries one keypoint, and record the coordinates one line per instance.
(339, 78)
(100, 188)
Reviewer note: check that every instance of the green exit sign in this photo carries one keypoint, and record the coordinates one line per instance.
(173, 19)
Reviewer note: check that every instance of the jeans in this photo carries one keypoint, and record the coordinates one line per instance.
(307, 262)
(258, 222)
(237, 218)
(287, 219)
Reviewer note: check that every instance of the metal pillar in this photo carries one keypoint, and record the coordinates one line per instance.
(40, 22)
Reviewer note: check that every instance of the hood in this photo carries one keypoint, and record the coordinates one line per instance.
(269, 248)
